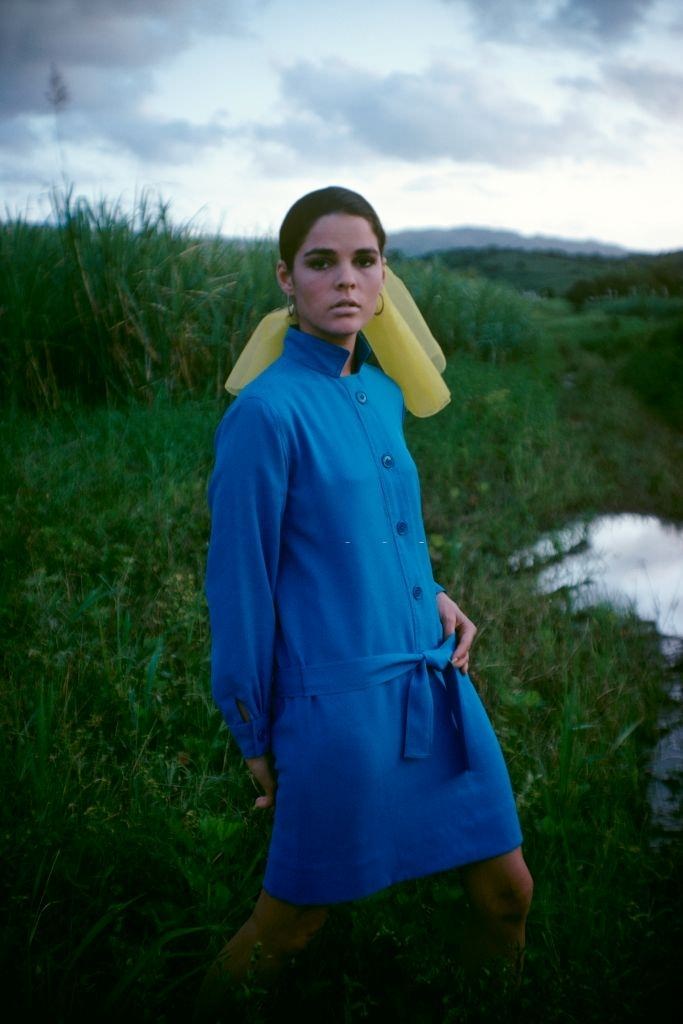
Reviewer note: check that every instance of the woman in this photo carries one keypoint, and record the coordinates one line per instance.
(337, 661)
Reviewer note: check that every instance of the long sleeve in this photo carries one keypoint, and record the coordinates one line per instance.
(438, 589)
(247, 495)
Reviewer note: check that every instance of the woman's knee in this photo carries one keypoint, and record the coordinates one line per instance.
(501, 888)
(511, 900)
(515, 899)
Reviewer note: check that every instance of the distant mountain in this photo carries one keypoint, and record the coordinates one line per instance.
(418, 241)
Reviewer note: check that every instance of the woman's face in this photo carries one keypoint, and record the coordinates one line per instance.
(336, 278)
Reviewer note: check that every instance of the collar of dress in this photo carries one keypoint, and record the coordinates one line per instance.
(321, 355)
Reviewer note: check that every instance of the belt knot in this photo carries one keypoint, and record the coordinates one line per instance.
(419, 730)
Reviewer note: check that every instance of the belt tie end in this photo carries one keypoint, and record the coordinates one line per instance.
(419, 728)
(420, 716)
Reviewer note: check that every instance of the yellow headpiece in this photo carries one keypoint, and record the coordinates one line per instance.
(406, 350)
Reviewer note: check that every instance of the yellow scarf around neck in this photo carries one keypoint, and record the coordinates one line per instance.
(405, 348)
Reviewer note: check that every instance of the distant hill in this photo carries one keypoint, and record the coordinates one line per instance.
(579, 276)
(419, 241)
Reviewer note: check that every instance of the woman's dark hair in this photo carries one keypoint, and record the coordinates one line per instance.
(301, 217)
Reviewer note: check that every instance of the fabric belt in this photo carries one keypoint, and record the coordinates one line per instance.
(361, 673)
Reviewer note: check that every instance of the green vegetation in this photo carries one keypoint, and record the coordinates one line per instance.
(660, 276)
(547, 273)
(579, 278)
(129, 841)
(110, 305)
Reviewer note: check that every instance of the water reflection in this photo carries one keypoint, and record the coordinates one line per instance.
(636, 562)
(627, 560)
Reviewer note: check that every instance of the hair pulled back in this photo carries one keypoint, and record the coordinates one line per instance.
(301, 217)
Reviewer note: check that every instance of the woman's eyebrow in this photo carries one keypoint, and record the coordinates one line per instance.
(320, 251)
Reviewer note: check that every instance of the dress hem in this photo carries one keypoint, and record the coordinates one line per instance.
(398, 880)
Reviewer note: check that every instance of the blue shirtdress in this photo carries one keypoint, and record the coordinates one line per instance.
(325, 627)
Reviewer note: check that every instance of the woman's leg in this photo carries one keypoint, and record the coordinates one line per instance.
(275, 931)
(499, 892)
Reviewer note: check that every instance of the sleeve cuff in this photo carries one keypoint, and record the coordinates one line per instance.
(252, 737)
(438, 589)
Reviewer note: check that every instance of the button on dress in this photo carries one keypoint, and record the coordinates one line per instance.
(325, 634)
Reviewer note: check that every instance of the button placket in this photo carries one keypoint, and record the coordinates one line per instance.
(370, 414)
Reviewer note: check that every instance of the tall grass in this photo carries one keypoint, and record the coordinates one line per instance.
(468, 313)
(105, 303)
(128, 841)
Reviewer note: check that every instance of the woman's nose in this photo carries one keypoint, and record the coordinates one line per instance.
(346, 277)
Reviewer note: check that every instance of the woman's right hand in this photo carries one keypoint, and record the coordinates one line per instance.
(263, 773)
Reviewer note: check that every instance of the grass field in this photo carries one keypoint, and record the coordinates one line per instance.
(129, 841)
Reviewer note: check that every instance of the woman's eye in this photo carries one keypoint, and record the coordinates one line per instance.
(366, 261)
(319, 263)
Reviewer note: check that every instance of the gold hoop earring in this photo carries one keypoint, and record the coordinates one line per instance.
(378, 312)
(291, 306)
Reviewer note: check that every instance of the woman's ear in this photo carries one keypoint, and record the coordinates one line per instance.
(284, 278)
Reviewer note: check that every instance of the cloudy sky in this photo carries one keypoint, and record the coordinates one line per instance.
(552, 116)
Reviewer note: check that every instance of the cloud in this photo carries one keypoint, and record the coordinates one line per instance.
(19, 135)
(126, 36)
(173, 142)
(349, 114)
(104, 51)
(582, 24)
(601, 20)
(657, 91)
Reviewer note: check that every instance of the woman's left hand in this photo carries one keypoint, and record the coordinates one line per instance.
(454, 620)
(262, 771)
